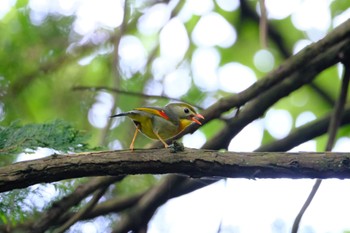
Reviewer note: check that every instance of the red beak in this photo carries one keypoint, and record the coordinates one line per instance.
(194, 118)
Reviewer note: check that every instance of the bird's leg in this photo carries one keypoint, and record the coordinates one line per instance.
(134, 138)
(160, 139)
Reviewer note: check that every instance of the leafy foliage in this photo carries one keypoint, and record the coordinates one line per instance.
(58, 135)
(13, 208)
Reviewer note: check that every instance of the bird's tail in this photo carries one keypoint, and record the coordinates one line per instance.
(120, 114)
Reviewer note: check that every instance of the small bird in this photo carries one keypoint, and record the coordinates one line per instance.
(162, 123)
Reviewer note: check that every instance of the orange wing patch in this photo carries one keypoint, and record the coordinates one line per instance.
(155, 111)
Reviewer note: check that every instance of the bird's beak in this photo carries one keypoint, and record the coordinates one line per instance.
(195, 118)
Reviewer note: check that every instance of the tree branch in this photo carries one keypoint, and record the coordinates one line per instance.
(131, 93)
(86, 209)
(63, 205)
(258, 106)
(296, 71)
(332, 132)
(304, 133)
(275, 36)
(138, 216)
(191, 162)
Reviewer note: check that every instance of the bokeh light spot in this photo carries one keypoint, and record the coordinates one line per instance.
(154, 19)
(312, 14)
(300, 44)
(132, 55)
(280, 9)
(199, 7)
(235, 77)
(278, 123)
(195, 140)
(228, 5)
(264, 60)
(93, 14)
(304, 118)
(205, 62)
(99, 112)
(115, 145)
(174, 40)
(341, 18)
(5, 7)
(306, 146)
(213, 30)
(177, 83)
(342, 145)
(249, 138)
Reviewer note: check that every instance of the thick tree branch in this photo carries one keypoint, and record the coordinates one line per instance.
(304, 133)
(138, 216)
(202, 163)
(296, 71)
(313, 69)
(191, 162)
(258, 106)
(275, 36)
(62, 206)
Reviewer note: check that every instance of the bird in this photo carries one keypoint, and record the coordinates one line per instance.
(162, 123)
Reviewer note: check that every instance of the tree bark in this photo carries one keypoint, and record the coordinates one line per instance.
(191, 162)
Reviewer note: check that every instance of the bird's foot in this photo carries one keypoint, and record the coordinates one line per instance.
(176, 147)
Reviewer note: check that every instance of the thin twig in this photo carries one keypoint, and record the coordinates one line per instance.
(311, 196)
(116, 74)
(132, 93)
(63, 205)
(263, 24)
(332, 131)
(77, 216)
(273, 33)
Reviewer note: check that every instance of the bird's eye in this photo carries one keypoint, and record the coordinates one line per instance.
(186, 110)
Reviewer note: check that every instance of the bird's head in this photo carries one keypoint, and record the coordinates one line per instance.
(184, 113)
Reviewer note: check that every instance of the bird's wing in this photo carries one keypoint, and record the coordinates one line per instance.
(155, 111)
